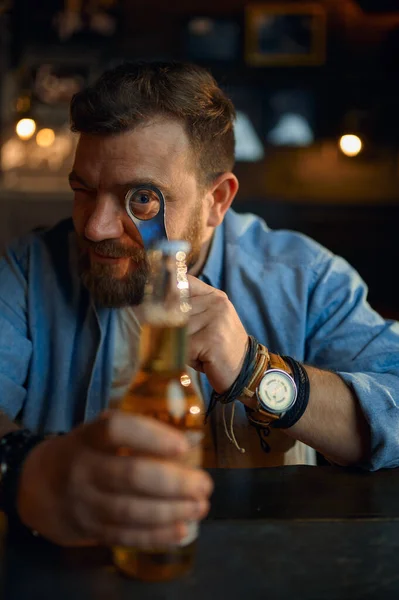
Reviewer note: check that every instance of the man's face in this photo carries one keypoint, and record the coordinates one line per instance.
(113, 263)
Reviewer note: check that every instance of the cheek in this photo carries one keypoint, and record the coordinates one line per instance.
(130, 231)
(176, 222)
(80, 215)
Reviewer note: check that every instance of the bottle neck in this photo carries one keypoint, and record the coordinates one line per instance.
(167, 295)
(166, 307)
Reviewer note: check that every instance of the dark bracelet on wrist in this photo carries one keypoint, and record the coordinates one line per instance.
(301, 379)
(242, 380)
(14, 449)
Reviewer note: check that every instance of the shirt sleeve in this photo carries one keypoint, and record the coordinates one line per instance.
(15, 346)
(345, 335)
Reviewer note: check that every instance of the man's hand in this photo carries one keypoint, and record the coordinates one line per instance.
(75, 489)
(218, 340)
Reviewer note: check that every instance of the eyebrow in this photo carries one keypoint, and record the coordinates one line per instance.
(135, 183)
(73, 176)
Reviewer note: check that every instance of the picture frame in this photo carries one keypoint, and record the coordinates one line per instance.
(285, 34)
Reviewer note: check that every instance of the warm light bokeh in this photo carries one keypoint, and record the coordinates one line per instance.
(45, 138)
(185, 380)
(350, 144)
(25, 128)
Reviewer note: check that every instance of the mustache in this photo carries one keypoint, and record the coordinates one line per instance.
(112, 250)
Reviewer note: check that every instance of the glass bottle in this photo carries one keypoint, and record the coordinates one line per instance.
(163, 390)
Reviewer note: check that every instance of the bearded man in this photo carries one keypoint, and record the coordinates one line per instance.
(69, 300)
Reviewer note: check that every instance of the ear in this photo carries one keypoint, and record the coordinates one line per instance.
(220, 197)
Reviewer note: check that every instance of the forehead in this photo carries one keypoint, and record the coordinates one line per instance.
(159, 151)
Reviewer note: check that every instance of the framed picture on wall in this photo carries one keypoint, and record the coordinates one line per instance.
(282, 33)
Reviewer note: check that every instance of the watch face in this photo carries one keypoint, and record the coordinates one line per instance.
(277, 391)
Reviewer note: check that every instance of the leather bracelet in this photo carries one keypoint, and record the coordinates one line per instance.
(262, 362)
(301, 379)
(242, 380)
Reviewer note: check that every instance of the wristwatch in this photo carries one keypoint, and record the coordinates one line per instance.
(275, 391)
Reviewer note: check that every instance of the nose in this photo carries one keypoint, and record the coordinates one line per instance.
(105, 222)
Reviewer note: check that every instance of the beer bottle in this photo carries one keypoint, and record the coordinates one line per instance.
(163, 390)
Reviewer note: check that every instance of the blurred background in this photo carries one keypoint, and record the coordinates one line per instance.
(315, 84)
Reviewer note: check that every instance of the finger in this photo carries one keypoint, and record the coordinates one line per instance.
(197, 322)
(200, 304)
(140, 511)
(198, 287)
(150, 477)
(116, 429)
(88, 526)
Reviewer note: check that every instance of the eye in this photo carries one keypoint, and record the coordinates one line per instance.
(143, 203)
(82, 192)
(143, 198)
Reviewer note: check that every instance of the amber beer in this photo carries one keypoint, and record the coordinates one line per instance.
(163, 390)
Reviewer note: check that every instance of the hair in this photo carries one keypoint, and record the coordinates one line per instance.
(134, 93)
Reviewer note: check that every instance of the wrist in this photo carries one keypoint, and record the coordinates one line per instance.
(303, 386)
(24, 497)
(278, 393)
(261, 365)
(246, 373)
(265, 362)
(42, 502)
(32, 493)
(15, 447)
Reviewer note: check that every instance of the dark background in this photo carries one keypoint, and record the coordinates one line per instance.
(351, 205)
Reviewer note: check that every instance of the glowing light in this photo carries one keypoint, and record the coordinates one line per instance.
(13, 154)
(25, 128)
(45, 138)
(350, 145)
(195, 410)
(185, 380)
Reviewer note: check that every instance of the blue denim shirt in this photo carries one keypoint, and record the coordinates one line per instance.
(56, 347)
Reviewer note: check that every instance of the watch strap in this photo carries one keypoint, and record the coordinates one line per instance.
(265, 362)
(301, 379)
(262, 362)
(260, 417)
(277, 362)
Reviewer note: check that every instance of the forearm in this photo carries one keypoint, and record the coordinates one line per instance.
(333, 422)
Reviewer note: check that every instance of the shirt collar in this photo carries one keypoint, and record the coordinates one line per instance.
(212, 273)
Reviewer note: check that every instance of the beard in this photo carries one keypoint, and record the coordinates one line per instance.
(116, 292)
(99, 279)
